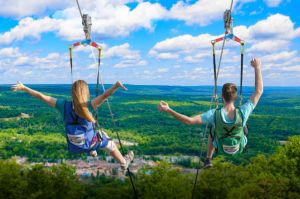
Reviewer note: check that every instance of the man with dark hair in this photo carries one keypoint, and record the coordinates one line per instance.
(228, 122)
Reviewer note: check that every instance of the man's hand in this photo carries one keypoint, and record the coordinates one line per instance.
(255, 63)
(163, 106)
(120, 85)
(18, 86)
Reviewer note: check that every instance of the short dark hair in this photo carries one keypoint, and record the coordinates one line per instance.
(229, 92)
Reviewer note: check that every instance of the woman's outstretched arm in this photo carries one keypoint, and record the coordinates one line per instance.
(51, 101)
(101, 98)
(164, 107)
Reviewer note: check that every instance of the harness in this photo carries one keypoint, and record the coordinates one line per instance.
(228, 35)
(81, 134)
(228, 136)
(87, 23)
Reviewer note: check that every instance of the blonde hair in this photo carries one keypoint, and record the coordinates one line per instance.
(80, 96)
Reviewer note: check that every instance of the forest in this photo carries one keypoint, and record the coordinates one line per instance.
(265, 177)
(30, 128)
(41, 136)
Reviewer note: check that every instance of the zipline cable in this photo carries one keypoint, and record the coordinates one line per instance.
(216, 75)
(115, 125)
(108, 104)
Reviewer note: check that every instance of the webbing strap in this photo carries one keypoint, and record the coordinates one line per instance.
(93, 44)
(71, 64)
(97, 86)
(216, 74)
(242, 71)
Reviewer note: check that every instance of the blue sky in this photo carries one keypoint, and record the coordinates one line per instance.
(148, 42)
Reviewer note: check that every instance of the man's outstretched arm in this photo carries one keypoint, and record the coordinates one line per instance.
(256, 64)
(164, 107)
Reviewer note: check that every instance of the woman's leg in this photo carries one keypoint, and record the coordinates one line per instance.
(115, 152)
(118, 156)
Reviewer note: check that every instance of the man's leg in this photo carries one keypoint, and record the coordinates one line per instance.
(211, 147)
(210, 152)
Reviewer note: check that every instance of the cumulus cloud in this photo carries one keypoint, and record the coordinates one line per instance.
(18, 65)
(152, 74)
(281, 56)
(269, 46)
(275, 26)
(202, 12)
(273, 3)
(9, 52)
(191, 47)
(125, 55)
(195, 74)
(29, 27)
(16, 59)
(115, 19)
(109, 18)
(267, 36)
(21, 8)
(121, 51)
(130, 63)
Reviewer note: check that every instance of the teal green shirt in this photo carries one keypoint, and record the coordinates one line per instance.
(60, 106)
(246, 109)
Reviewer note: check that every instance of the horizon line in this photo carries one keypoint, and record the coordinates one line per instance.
(295, 86)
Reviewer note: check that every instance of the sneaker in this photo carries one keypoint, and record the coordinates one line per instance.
(128, 158)
(93, 153)
(207, 163)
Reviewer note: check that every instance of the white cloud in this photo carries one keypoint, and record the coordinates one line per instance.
(16, 59)
(202, 12)
(130, 63)
(21, 8)
(166, 55)
(275, 26)
(292, 68)
(196, 74)
(269, 46)
(125, 55)
(122, 51)
(162, 70)
(152, 74)
(185, 48)
(9, 52)
(271, 34)
(29, 27)
(273, 3)
(184, 43)
(32, 67)
(197, 57)
(281, 56)
(114, 19)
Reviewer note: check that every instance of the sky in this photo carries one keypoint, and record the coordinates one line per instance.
(159, 42)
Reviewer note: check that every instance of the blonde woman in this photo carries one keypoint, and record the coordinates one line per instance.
(79, 121)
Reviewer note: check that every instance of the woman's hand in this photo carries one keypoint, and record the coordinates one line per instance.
(163, 106)
(18, 86)
(120, 85)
